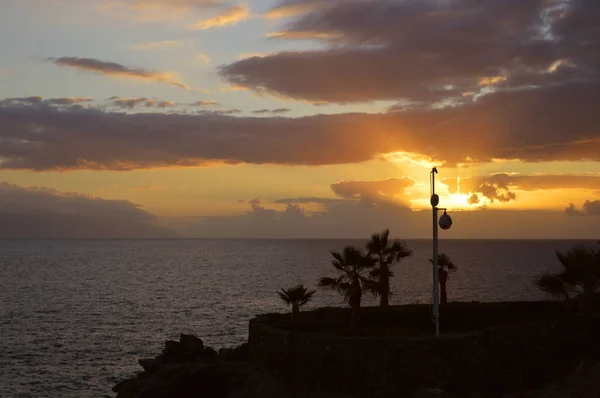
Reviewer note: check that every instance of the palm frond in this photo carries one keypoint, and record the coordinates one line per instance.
(284, 297)
(552, 285)
(373, 287)
(444, 262)
(327, 282)
(297, 295)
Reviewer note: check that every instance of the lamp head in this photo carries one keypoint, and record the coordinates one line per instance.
(445, 221)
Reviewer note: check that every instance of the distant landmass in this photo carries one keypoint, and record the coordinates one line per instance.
(21, 226)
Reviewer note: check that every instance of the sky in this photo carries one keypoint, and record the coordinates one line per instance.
(299, 118)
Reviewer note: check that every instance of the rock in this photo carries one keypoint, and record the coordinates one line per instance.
(151, 365)
(209, 352)
(239, 353)
(432, 393)
(191, 346)
(172, 349)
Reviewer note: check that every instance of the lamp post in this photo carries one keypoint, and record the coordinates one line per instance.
(445, 222)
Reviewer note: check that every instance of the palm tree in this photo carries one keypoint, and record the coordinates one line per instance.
(353, 267)
(445, 265)
(296, 296)
(579, 278)
(385, 255)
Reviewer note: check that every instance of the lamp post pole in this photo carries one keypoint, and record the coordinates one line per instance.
(436, 275)
(445, 223)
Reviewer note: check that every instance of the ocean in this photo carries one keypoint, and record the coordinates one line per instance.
(75, 315)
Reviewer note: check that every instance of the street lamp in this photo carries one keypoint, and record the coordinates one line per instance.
(445, 222)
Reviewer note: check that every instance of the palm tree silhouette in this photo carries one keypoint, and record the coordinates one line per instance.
(296, 296)
(445, 265)
(385, 255)
(353, 267)
(579, 278)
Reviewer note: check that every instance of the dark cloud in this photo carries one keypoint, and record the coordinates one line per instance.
(589, 208)
(306, 200)
(501, 186)
(373, 191)
(131, 103)
(426, 51)
(356, 219)
(272, 111)
(46, 213)
(503, 126)
(37, 100)
(205, 103)
(116, 70)
(473, 199)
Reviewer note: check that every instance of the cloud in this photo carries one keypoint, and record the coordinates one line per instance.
(228, 16)
(250, 55)
(32, 212)
(205, 103)
(157, 10)
(501, 186)
(373, 191)
(589, 208)
(296, 8)
(36, 100)
(131, 103)
(43, 137)
(345, 218)
(232, 111)
(115, 70)
(159, 45)
(203, 58)
(429, 52)
(271, 111)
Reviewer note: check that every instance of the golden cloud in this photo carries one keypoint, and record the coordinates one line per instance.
(229, 16)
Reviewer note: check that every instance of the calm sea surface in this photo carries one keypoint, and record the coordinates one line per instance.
(75, 315)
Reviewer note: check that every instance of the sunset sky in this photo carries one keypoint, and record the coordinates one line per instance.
(299, 118)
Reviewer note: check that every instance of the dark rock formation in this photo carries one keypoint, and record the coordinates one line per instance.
(189, 369)
(239, 353)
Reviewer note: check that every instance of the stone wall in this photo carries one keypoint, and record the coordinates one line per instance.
(489, 362)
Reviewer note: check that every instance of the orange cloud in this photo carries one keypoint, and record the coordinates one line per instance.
(229, 16)
(156, 10)
(501, 186)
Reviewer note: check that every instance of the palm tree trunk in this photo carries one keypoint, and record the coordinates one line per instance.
(355, 318)
(355, 300)
(443, 292)
(295, 311)
(384, 284)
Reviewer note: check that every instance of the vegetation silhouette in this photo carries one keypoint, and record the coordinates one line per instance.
(353, 266)
(385, 254)
(296, 296)
(445, 266)
(579, 279)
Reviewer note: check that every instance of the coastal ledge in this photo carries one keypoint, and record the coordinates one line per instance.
(487, 349)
